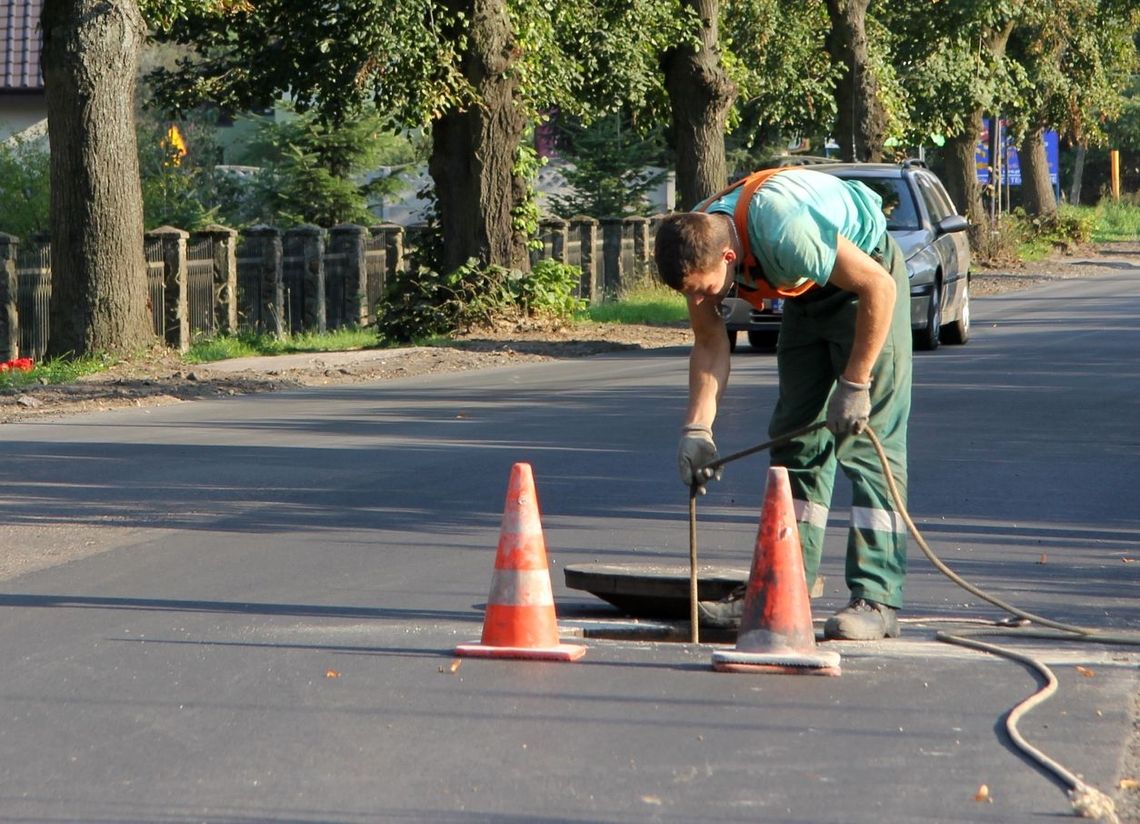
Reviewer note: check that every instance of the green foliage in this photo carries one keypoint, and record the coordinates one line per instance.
(420, 304)
(311, 170)
(548, 289)
(404, 58)
(1073, 54)
(25, 188)
(524, 214)
(775, 53)
(55, 370)
(1040, 235)
(590, 58)
(416, 61)
(609, 175)
(949, 60)
(246, 344)
(656, 305)
(1118, 221)
(1124, 132)
(176, 172)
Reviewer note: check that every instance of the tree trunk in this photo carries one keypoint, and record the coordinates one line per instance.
(861, 123)
(99, 288)
(1037, 194)
(701, 94)
(962, 177)
(1078, 174)
(473, 151)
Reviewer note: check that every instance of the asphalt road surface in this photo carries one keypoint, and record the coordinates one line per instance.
(273, 639)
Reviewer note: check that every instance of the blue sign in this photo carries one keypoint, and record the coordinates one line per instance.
(1011, 166)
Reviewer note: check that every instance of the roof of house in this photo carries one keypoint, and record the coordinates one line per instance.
(20, 46)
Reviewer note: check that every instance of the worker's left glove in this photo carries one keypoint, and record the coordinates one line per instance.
(695, 452)
(850, 407)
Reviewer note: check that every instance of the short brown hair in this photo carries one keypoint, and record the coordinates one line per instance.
(688, 242)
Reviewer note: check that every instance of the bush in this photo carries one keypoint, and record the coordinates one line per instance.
(25, 187)
(549, 289)
(422, 303)
(1062, 230)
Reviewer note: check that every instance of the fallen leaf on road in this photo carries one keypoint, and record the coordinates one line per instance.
(332, 674)
(452, 667)
(983, 794)
(1086, 672)
(1129, 784)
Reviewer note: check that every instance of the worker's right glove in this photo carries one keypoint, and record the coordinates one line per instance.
(850, 407)
(695, 452)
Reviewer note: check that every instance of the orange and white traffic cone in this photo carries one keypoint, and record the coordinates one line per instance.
(776, 633)
(520, 620)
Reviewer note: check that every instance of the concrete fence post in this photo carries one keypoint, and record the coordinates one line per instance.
(311, 240)
(558, 230)
(613, 266)
(268, 307)
(9, 295)
(639, 229)
(348, 239)
(176, 303)
(395, 240)
(224, 243)
(586, 229)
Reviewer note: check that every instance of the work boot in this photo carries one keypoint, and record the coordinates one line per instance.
(862, 620)
(725, 613)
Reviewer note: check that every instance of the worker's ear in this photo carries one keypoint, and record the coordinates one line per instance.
(729, 256)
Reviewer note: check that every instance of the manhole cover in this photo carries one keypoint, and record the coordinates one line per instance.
(653, 590)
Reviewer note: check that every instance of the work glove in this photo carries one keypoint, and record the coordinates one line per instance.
(696, 451)
(850, 407)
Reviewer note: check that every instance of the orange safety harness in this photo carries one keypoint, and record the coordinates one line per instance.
(762, 289)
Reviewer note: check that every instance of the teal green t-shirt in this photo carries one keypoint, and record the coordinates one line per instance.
(795, 219)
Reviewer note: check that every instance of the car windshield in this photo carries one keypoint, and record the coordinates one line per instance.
(898, 202)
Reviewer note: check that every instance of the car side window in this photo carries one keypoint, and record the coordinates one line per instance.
(898, 203)
(937, 203)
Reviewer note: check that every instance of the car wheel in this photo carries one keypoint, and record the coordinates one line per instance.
(731, 340)
(958, 332)
(927, 339)
(762, 339)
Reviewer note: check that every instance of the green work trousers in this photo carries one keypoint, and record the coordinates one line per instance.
(816, 335)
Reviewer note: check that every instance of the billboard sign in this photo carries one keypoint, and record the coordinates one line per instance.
(1011, 163)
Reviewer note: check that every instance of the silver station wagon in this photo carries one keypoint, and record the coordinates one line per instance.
(923, 221)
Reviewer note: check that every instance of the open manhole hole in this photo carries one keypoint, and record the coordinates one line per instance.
(653, 599)
(653, 590)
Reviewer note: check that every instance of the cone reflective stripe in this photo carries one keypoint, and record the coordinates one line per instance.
(520, 621)
(776, 632)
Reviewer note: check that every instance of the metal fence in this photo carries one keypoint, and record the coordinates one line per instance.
(201, 300)
(33, 275)
(155, 284)
(303, 279)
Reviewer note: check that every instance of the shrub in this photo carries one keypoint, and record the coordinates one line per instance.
(422, 303)
(549, 289)
(25, 187)
(1063, 229)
